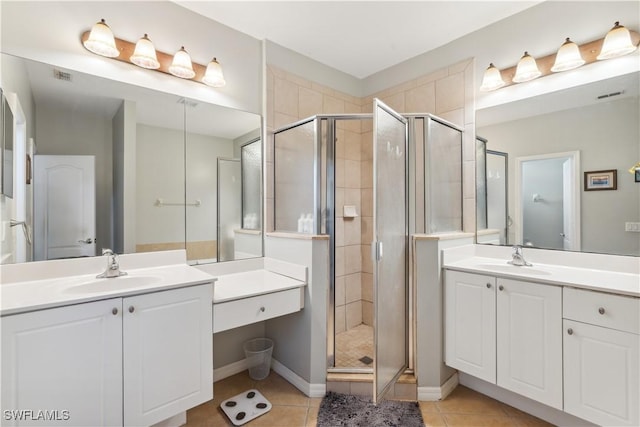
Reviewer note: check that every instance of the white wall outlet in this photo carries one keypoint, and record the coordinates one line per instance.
(632, 226)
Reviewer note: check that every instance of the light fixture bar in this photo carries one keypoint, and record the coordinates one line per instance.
(589, 52)
(127, 48)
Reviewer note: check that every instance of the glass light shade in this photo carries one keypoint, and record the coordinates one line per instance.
(568, 57)
(492, 79)
(101, 40)
(181, 65)
(617, 42)
(527, 69)
(213, 76)
(144, 54)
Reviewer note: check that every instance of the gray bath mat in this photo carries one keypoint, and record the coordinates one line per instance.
(345, 410)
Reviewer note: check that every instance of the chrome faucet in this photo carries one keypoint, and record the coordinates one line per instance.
(113, 268)
(518, 258)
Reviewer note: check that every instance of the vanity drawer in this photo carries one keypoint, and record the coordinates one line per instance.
(232, 314)
(610, 311)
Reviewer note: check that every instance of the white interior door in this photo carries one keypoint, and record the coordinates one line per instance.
(391, 336)
(65, 207)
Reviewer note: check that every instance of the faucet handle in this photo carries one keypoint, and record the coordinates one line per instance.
(517, 250)
(107, 251)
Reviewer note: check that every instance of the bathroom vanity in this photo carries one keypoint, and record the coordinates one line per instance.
(566, 336)
(132, 350)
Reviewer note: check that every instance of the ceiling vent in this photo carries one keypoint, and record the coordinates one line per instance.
(609, 95)
(61, 75)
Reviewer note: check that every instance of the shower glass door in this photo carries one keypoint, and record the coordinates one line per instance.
(389, 248)
(229, 207)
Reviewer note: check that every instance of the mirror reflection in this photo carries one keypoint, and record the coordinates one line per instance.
(145, 161)
(549, 144)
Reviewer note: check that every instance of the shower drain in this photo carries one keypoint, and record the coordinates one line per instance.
(366, 360)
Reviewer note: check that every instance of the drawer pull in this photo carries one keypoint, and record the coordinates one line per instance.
(131, 309)
(501, 288)
(570, 331)
(601, 310)
(488, 285)
(262, 309)
(114, 311)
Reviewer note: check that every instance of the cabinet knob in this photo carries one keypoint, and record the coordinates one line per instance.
(114, 311)
(501, 288)
(488, 285)
(570, 331)
(262, 309)
(131, 309)
(601, 310)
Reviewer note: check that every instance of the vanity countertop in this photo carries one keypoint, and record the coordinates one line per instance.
(246, 284)
(23, 296)
(580, 277)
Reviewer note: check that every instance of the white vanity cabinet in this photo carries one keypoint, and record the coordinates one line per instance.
(601, 357)
(506, 332)
(135, 361)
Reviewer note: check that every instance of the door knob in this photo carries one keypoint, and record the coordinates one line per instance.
(88, 241)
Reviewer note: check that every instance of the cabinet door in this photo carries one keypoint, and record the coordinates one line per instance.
(470, 324)
(529, 335)
(601, 374)
(66, 361)
(168, 359)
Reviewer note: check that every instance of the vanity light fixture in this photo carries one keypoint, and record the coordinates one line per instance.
(617, 42)
(101, 40)
(568, 57)
(145, 54)
(492, 79)
(213, 76)
(181, 65)
(527, 69)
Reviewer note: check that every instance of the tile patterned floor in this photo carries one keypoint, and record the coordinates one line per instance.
(352, 345)
(291, 408)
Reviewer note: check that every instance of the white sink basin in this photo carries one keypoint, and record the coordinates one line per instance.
(113, 284)
(508, 268)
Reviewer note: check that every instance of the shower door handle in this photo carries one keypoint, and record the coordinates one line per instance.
(376, 251)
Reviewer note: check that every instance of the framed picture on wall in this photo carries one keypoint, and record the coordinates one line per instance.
(601, 180)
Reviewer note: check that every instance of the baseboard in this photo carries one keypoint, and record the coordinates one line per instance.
(175, 421)
(310, 390)
(430, 394)
(230, 369)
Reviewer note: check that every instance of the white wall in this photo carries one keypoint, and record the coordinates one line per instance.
(160, 174)
(49, 31)
(607, 136)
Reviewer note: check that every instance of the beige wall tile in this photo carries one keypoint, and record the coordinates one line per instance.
(332, 105)
(354, 314)
(342, 387)
(366, 174)
(281, 119)
(352, 174)
(455, 116)
(352, 231)
(422, 99)
(367, 287)
(450, 93)
(432, 77)
(340, 295)
(341, 319)
(366, 145)
(285, 97)
(339, 230)
(339, 201)
(352, 197)
(469, 180)
(353, 287)
(300, 81)
(354, 125)
(367, 201)
(469, 94)
(459, 66)
(269, 182)
(405, 391)
(367, 262)
(309, 102)
(341, 143)
(352, 145)
(340, 261)
(395, 101)
(322, 89)
(340, 172)
(469, 211)
(366, 230)
(469, 143)
(270, 111)
(361, 389)
(277, 72)
(352, 259)
(367, 313)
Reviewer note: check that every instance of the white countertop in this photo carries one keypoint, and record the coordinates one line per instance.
(23, 296)
(579, 277)
(246, 284)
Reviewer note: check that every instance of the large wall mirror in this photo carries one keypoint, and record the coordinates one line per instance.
(564, 160)
(145, 160)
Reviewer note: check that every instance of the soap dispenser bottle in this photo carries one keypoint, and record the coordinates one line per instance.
(308, 224)
(301, 224)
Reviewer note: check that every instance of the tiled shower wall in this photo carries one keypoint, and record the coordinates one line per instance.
(447, 93)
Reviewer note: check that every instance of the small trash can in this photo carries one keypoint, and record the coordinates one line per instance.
(258, 353)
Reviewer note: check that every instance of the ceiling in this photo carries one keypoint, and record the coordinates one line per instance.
(359, 38)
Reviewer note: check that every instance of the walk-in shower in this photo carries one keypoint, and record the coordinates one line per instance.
(355, 174)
